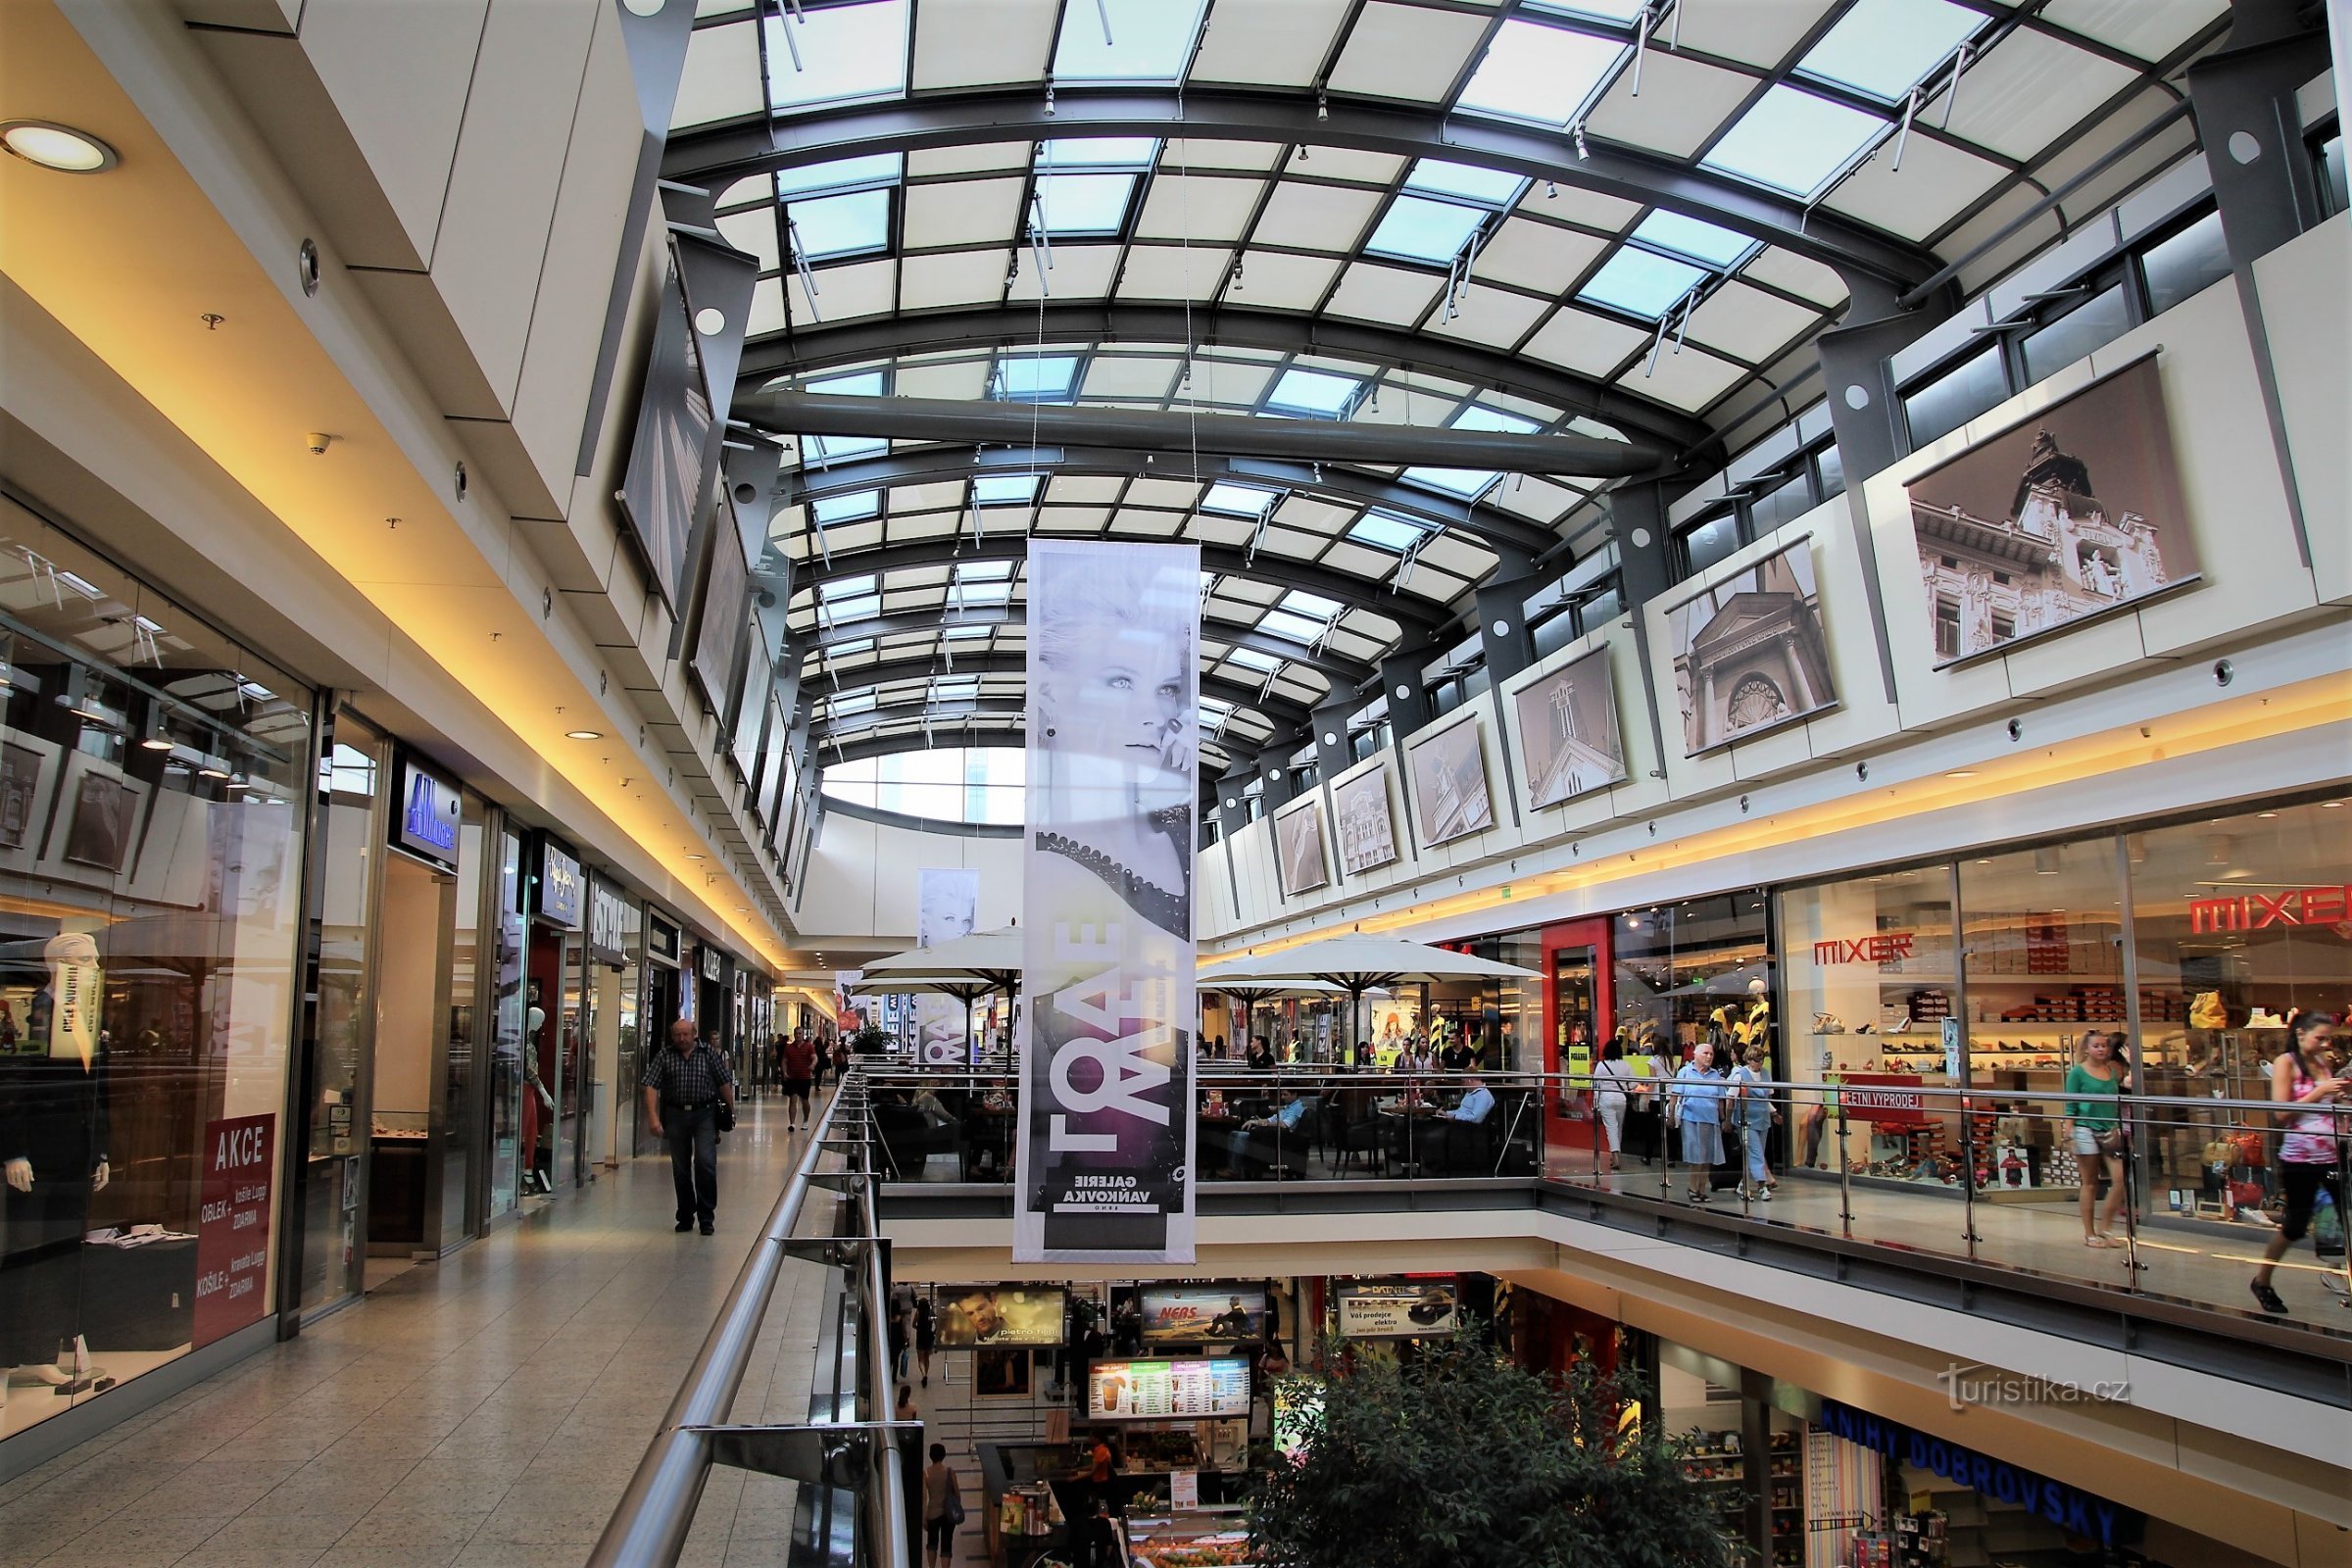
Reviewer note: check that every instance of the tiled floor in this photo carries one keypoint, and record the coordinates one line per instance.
(487, 1410)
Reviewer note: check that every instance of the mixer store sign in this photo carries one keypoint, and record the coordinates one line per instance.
(1105, 1150)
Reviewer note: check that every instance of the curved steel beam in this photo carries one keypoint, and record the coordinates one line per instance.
(1177, 431)
(1347, 675)
(1411, 611)
(856, 750)
(1280, 711)
(1492, 527)
(715, 157)
(1231, 325)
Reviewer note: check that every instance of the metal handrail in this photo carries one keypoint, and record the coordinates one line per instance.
(649, 1526)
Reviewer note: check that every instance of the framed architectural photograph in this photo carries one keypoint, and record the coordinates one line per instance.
(1367, 831)
(2064, 518)
(1298, 849)
(1568, 739)
(1749, 652)
(27, 779)
(95, 825)
(1450, 799)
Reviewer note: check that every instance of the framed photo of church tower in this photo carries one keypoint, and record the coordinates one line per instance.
(1749, 652)
(2063, 518)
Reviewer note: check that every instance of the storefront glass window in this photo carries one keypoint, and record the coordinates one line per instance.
(351, 777)
(507, 1059)
(153, 780)
(1868, 964)
(1693, 972)
(2236, 923)
(461, 1121)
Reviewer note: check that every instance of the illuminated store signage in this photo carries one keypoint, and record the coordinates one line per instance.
(1887, 947)
(661, 939)
(2071, 1510)
(2258, 912)
(561, 887)
(427, 814)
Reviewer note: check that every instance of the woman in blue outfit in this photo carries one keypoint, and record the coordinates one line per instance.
(1753, 1115)
(1694, 1102)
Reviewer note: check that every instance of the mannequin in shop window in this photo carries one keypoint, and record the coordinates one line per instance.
(52, 1160)
(538, 1106)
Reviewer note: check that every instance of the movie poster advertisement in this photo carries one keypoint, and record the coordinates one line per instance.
(1749, 656)
(1105, 1161)
(1298, 841)
(948, 903)
(973, 1316)
(1204, 1314)
(1568, 739)
(2075, 512)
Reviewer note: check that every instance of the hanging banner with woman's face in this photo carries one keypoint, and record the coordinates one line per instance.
(948, 903)
(1105, 1156)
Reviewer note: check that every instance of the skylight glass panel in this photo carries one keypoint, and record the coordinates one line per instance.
(1314, 393)
(1639, 282)
(855, 384)
(1419, 229)
(1468, 483)
(846, 174)
(1884, 47)
(1144, 41)
(859, 504)
(843, 53)
(1540, 73)
(984, 572)
(1301, 601)
(1719, 248)
(965, 634)
(1005, 489)
(1099, 152)
(955, 689)
(1478, 416)
(861, 608)
(1384, 531)
(840, 650)
(825, 228)
(1494, 187)
(1794, 141)
(844, 703)
(843, 448)
(1625, 11)
(1251, 658)
(1237, 500)
(1040, 376)
(845, 587)
(1297, 628)
(1082, 204)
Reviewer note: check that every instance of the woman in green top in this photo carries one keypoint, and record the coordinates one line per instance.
(2094, 1088)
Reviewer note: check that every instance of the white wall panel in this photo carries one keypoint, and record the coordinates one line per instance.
(2305, 288)
(399, 76)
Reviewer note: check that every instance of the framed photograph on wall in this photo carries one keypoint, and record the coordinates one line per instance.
(1298, 849)
(1749, 652)
(2064, 518)
(1569, 743)
(95, 825)
(1450, 799)
(1367, 830)
(28, 769)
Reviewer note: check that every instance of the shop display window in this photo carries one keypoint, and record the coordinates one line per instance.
(2236, 923)
(1867, 965)
(152, 776)
(1692, 971)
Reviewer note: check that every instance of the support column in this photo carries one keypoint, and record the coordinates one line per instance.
(1502, 626)
(1644, 566)
(2243, 95)
(1233, 811)
(1274, 775)
(1400, 680)
(1333, 757)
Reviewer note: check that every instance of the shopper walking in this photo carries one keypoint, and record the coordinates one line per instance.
(1694, 1103)
(685, 1084)
(901, 1324)
(798, 1073)
(2094, 1088)
(1753, 1117)
(2309, 1160)
(926, 1336)
(1609, 1081)
(943, 1509)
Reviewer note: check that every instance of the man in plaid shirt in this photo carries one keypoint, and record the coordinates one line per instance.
(683, 1085)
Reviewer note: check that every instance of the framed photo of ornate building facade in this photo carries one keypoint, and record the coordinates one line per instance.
(1367, 830)
(2063, 518)
(1568, 739)
(1450, 799)
(1749, 652)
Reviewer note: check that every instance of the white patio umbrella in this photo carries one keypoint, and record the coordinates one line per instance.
(1356, 963)
(964, 987)
(968, 967)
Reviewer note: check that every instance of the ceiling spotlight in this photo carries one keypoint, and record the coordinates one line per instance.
(695, 856)
(1322, 106)
(1961, 772)
(583, 734)
(59, 147)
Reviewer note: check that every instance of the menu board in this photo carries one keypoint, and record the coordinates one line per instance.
(1401, 1309)
(1196, 1314)
(974, 1315)
(1145, 1391)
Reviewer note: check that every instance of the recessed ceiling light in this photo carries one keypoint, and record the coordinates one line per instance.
(583, 734)
(1961, 772)
(59, 147)
(694, 856)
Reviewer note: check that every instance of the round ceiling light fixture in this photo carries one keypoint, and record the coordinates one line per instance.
(583, 734)
(60, 147)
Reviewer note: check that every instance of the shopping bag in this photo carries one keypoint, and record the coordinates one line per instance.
(2328, 1226)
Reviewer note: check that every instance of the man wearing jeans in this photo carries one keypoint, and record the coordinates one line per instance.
(683, 1086)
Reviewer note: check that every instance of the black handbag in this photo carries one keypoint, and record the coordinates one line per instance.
(722, 1113)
